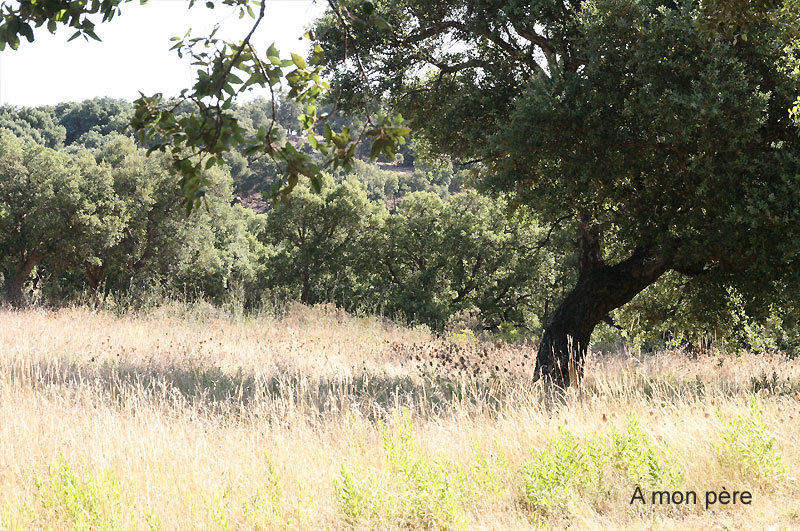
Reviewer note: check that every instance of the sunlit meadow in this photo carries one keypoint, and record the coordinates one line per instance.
(186, 417)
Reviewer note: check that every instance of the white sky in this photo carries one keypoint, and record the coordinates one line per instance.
(134, 53)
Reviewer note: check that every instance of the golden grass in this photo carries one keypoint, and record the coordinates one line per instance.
(185, 419)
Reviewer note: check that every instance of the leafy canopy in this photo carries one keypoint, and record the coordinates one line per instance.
(198, 140)
(656, 128)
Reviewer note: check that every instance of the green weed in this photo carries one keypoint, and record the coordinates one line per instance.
(558, 474)
(430, 494)
(748, 448)
(484, 475)
(633, 452)
(83, 501)
(351, 495)
(219, 512)
(569, 471)
(265, 506)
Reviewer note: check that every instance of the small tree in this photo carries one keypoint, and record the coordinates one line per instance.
(199, 255)
(37, 124)
(318, 241)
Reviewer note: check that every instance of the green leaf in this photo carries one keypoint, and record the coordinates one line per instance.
(298, 61)
(377, 147)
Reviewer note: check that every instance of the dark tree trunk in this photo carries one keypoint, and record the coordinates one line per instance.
(14, 284)
(305, 295)
(94, 277)
(600, 289)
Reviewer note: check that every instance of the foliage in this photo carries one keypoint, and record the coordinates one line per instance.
(431, 495)
(676, 312)
(380, 184)
(53, 206)
(350, 495)
(749, 448)
(200, 139)
(557, 473)
(429, 260)
(113, 223)
(569, 470)
(335, 245)
(85, 501)
(662, 142)
(438, 257)
(318, 242)
(633, 452)
(37, 124)
(93, 118)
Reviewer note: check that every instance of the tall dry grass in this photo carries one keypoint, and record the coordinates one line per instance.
(184, 418)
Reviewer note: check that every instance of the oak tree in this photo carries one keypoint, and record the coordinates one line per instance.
(662, 135)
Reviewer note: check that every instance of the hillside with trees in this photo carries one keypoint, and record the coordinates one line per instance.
(87, 215)
(412, 242)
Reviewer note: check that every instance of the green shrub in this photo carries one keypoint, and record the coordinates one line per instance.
(569, 471)
(351, 496)
(265, 506)
(558, 474)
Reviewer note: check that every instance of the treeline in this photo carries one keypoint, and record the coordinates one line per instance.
(85, 215)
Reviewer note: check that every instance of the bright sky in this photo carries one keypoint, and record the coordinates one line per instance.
(134, 53)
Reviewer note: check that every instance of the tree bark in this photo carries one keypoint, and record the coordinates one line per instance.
(600, 289)
(17, 281)
(305, 279)
(94, 276)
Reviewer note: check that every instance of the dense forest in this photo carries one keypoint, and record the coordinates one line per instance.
(87, 217)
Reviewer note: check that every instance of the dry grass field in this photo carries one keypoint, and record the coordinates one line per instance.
(185, 418)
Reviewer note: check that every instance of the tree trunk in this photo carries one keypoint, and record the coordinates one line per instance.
(305, 295)
(600, 289)
(94, 276)
(17, 281)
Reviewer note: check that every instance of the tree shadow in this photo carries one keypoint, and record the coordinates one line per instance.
(282, 391)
